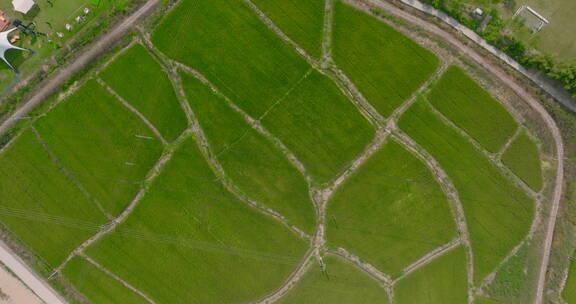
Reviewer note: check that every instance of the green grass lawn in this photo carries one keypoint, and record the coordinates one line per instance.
(225, 41)
(97, 286)
(390, 212)
(386, 66)
(498, 213)
(523, 159)
(341, 283)
(140, 80)
(301, 20)
(569, 292)
(250, 160)
(190, 241)
(442, 281)
(41, 205)
(320, 126)
(472, 109)
(95, 137)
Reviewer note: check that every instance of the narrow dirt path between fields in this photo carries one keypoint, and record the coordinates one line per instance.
(127, 105)
(109, 227)
(116, 278)
(521, 92)
(434, 254)
(54, 83)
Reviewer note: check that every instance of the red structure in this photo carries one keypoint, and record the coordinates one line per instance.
(4, 21)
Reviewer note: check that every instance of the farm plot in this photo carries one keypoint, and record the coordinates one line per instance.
(106, 148)
(212, 247)
(139, 79)
(97, 286)
(320, 126)
(252, 162)
(473, 109)
(339, 283)
(225, 41)
(301, 20)
(390, 212)
(442, 281)
(385, 65)
(36, 202)
(497, 212)
(523, 159)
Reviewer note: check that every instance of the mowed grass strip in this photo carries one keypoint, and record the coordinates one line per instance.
(190, 241)
(523, 158)
(96, 285)
(569, 292)
(105, 146)
(320, 126)
(472, 109)
(340, 283)
(485, 301)
(442, 281)
(139, 79)
(390, 212)
(386, 66)
(301, 20)
(41, 205)
(225, 41)
(498, 213)
(249, 159)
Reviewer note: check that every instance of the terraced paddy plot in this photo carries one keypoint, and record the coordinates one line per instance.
(498, 213)
(211, 246)
(225, 41)
(35, 202)
(386, 66)
(523, 159)
(301, 20)
(390, 212)
(442, 281)
(252, 162)
(97, 286)
(139, 79)
(105, 147)
(485, 301)
(471, 108)
(320, 126)
(340, 283)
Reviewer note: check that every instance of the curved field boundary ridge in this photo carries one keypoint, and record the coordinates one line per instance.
(521, 92)
(28, 276)
(86, 58)
(544, 83)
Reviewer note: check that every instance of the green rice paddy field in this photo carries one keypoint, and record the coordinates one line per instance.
(242, 117)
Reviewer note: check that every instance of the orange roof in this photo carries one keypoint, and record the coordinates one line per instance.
(4, 21)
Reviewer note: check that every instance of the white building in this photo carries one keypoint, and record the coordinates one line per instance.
(5, 45)
(23, 6)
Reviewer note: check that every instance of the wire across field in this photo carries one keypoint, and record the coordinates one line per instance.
(217, 161)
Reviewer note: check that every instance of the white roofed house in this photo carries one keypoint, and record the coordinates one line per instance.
(23, 6)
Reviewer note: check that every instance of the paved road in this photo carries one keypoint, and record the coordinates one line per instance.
(29, 277)
(53, 84)
(533, 102)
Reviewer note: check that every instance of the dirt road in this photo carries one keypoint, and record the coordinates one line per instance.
(533, 102)
(54, 83)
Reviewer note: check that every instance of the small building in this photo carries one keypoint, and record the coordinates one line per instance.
(478, 12)
(4, 21)
(23, 6)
